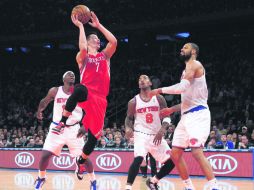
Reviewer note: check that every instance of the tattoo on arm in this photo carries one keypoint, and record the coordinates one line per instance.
(129, 122)
(162, 101)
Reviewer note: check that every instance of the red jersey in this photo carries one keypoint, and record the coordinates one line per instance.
(95, 74)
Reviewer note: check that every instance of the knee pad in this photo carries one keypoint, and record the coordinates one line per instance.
(80, 93)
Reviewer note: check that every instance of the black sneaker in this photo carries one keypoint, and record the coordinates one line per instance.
(80, 169)
(150, 185)
(144, 176)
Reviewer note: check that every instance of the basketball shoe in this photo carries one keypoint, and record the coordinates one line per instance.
(150, 185)
(39, 183)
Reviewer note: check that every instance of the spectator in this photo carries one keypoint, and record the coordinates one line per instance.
(224, 143)
(251, 143)
(111, 142)
(244, 144)
(31, 143)
(102, 143)
(118, 143)
(211, 144)
(130, 143)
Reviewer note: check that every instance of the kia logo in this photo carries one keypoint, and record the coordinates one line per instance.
(108, 161)
(24, 180)
(109, 182)
(63, 181)
(24, 159)
(222, 164)
(63, 161)
(222, 185)
(166, 185)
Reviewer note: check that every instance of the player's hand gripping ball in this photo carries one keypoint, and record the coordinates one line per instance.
(82, 12)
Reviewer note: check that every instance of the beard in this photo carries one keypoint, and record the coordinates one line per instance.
(184, 58)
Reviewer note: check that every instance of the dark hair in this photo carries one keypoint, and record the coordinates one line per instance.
(91, 33)
(195, 46)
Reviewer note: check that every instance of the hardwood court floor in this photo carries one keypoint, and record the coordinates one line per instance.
(23, 180)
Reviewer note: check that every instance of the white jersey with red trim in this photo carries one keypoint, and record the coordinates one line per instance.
(147, 116)
(59, 105)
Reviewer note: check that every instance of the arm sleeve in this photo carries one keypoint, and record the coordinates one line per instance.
(177, 88)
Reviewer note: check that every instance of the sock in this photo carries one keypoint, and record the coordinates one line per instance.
(128, 187)
(154, 179)
(143, 170)
(42, 174)
(64, 119)
(165, 169)
(213, 183)
(188, 184)
(81, 160)
(91, 176)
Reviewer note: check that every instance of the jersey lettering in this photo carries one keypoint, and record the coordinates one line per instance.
(61, 100)
(149, 118)
(148, 109)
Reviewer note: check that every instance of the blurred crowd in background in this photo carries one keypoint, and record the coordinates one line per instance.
(26, 75)
(26, 80)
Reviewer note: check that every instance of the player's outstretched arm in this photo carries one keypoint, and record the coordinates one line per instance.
(129, 120)
(112, 41)
(184, 84)
(82, 41)
(45, 101)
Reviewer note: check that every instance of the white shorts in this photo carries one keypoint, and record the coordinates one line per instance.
(54, 143)
(193, 129)
(144, 143)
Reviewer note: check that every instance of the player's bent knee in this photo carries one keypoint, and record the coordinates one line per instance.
(80, 93)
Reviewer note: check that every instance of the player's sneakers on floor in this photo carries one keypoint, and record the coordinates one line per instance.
(150, 185)
(39, 183)
(80, 169)
(93, 185)
(58, 129)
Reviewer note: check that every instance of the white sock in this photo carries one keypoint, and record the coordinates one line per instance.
(154, 180)
(213, 183)
(42, 174)
(128, 187)
(188, 184)
(91, 176)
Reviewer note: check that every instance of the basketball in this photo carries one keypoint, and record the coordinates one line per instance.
(83, 13)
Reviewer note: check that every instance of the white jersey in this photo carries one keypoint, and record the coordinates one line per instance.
(196, 94)
(147, 116)
(59, 105)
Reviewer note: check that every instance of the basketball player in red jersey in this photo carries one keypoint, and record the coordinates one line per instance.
(91, 93)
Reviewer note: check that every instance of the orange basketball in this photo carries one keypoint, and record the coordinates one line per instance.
(83, 13)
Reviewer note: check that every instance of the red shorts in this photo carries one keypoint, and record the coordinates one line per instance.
(95, 109)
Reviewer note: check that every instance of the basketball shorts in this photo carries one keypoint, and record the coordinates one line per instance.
(193, 129)
(54, 143)
(95, 109)
(143, 144)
